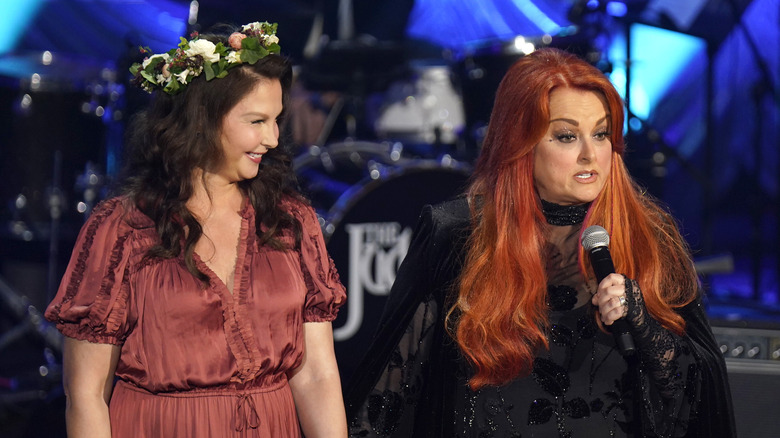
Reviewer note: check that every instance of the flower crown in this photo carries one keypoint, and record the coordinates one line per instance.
(173, 70)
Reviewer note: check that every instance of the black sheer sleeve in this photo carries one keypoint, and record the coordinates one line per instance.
(391, 393)
(679, 375)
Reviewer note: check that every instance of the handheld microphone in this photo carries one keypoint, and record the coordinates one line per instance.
(595, 240)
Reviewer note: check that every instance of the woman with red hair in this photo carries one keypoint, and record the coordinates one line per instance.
(496, 324)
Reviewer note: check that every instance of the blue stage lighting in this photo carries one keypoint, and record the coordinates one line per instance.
(14, 18)
(658, 57)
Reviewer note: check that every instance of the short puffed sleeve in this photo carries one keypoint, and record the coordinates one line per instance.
(93, 298)
(324, 291)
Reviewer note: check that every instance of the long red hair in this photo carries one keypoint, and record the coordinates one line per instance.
(500, 317)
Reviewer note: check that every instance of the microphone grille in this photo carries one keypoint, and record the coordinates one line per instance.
(593, 237)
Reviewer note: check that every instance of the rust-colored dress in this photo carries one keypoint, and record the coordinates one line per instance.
(196, 361)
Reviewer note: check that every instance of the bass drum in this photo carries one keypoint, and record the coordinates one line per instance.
(368, 229)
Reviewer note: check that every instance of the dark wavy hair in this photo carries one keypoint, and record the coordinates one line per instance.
(177, 134)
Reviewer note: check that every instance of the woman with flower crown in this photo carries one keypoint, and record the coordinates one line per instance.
(198, 302)
(496, 325)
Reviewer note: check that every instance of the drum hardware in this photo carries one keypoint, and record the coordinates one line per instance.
(325, 173)
(445, 167)
(29, 318)
(45, 381)
(330, 122)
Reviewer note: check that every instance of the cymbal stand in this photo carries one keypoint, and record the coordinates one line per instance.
(56, 204)
(45, 381)
(330, 121)
(30, 318)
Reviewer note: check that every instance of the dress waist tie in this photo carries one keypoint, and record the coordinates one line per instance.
(246, 413)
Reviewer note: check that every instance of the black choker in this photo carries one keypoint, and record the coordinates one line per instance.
(562, 215)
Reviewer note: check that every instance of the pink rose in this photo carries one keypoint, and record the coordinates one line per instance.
(235, 40)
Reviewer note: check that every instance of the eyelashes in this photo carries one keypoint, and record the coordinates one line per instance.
(261, 121)
(568, 136)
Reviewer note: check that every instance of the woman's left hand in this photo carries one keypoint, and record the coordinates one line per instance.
(611, 298)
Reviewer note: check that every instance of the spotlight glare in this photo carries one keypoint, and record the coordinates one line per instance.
(617, 9)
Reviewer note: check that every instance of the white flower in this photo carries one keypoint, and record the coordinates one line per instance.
(149, 60)
(183, 76)
(256, 26)
(271, 39)
(233, 57)
(205, 48)
(162, 80)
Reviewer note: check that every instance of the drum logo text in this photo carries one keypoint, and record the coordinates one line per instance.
(376, 250)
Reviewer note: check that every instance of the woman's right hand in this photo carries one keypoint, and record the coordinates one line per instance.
(611, 298)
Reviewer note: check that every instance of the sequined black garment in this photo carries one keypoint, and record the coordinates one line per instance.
(562, 215)
(412, 382)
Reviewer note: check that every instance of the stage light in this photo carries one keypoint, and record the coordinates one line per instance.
(617, 9)
(14, 18)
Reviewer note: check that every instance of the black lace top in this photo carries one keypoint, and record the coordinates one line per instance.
(413, 380)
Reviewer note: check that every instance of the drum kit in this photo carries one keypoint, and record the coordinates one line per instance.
(369, 192)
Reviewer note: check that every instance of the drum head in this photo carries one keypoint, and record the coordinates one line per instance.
(368, 233)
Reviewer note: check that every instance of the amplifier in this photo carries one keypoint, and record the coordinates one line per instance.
(752, 358)
(748, 343)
